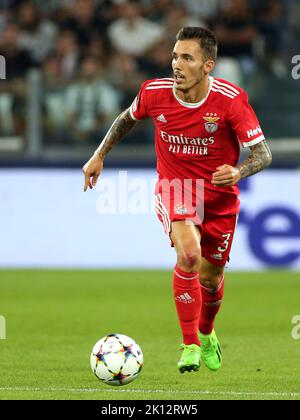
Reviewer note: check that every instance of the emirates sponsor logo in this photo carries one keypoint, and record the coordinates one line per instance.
(181, 139)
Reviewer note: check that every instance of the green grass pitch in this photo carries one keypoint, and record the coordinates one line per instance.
(54, 317)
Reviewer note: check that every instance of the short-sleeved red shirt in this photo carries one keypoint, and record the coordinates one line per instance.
(193, 139)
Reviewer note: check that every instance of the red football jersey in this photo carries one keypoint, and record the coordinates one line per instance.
(193, 139)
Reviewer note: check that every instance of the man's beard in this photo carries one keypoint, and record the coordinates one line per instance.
(190, 86)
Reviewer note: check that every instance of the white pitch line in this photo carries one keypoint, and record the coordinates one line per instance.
(153, 391)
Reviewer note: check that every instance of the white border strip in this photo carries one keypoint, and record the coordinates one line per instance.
(186, 278)
(131, 113)
(151, 391)
(161, 209)
(255, 141)
(218, 90)
(160, 87)
(161, 82)
(227, 86)
(224, 89)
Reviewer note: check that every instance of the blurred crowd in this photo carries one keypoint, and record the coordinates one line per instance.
(92, 55)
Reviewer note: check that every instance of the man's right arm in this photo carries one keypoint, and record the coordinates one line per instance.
(120, 127)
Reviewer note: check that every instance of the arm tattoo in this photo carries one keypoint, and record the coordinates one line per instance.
(259, 159)
(120, 127)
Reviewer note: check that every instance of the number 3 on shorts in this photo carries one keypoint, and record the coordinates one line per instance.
(225, 242)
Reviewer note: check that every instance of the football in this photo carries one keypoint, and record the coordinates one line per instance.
(116, 359)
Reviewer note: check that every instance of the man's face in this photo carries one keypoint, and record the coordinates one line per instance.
(10, 36)
(188, 64)
(89, 69)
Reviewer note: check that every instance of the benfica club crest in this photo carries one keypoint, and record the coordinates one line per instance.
(211, 124)
(180, 209)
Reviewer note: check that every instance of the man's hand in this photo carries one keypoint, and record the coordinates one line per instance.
(92, 169)
(225, 176)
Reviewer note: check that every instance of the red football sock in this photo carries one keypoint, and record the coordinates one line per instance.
(187, 297)
(211, 303)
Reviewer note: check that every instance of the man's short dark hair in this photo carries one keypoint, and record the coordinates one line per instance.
(206, 38)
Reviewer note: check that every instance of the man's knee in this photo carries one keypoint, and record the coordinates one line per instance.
(186, 240)
(189, 260)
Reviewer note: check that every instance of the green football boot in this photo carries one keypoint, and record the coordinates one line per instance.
(190, 358)
(211, 353)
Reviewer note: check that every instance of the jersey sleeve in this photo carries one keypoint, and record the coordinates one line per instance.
(139, 107)
(244, 122)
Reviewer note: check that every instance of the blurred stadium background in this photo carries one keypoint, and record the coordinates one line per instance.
(71, 67)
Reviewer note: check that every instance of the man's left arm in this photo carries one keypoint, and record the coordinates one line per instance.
(260, 158)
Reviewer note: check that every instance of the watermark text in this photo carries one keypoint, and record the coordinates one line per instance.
(125, 195)
(296, 328)
(2, 67)
(2, 328)
(296, 68)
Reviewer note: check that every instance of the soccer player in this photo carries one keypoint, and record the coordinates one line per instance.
(200, 122)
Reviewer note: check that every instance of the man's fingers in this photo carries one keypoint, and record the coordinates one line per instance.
(94, 179)
(222, 167)
(225, 182)
(91, 170)
(222, 170)
(225, 176)
(87, 182)
(90, 180)
(223, 173)
(222, 176)
(85, 186)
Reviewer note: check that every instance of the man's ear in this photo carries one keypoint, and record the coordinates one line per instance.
(209, 65)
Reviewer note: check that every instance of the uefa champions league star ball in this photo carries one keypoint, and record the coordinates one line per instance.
(116, 360)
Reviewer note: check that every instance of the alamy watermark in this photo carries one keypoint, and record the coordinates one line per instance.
(2, 328)
(296, 68)
(2, 67)
(296, 328)
(126, 195)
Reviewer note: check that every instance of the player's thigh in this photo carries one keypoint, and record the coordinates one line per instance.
(217, 236)
(186, 239)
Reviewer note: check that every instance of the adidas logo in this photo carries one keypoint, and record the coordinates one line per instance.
(161, 118)
(217, 256)
(185, 298)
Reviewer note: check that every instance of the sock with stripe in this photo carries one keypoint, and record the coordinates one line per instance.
(187, 297)
(211, 303)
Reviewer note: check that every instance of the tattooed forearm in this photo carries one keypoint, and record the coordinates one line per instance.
(259, 159)
(120, 127)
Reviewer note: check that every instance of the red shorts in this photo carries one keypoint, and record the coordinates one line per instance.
(216, 231)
